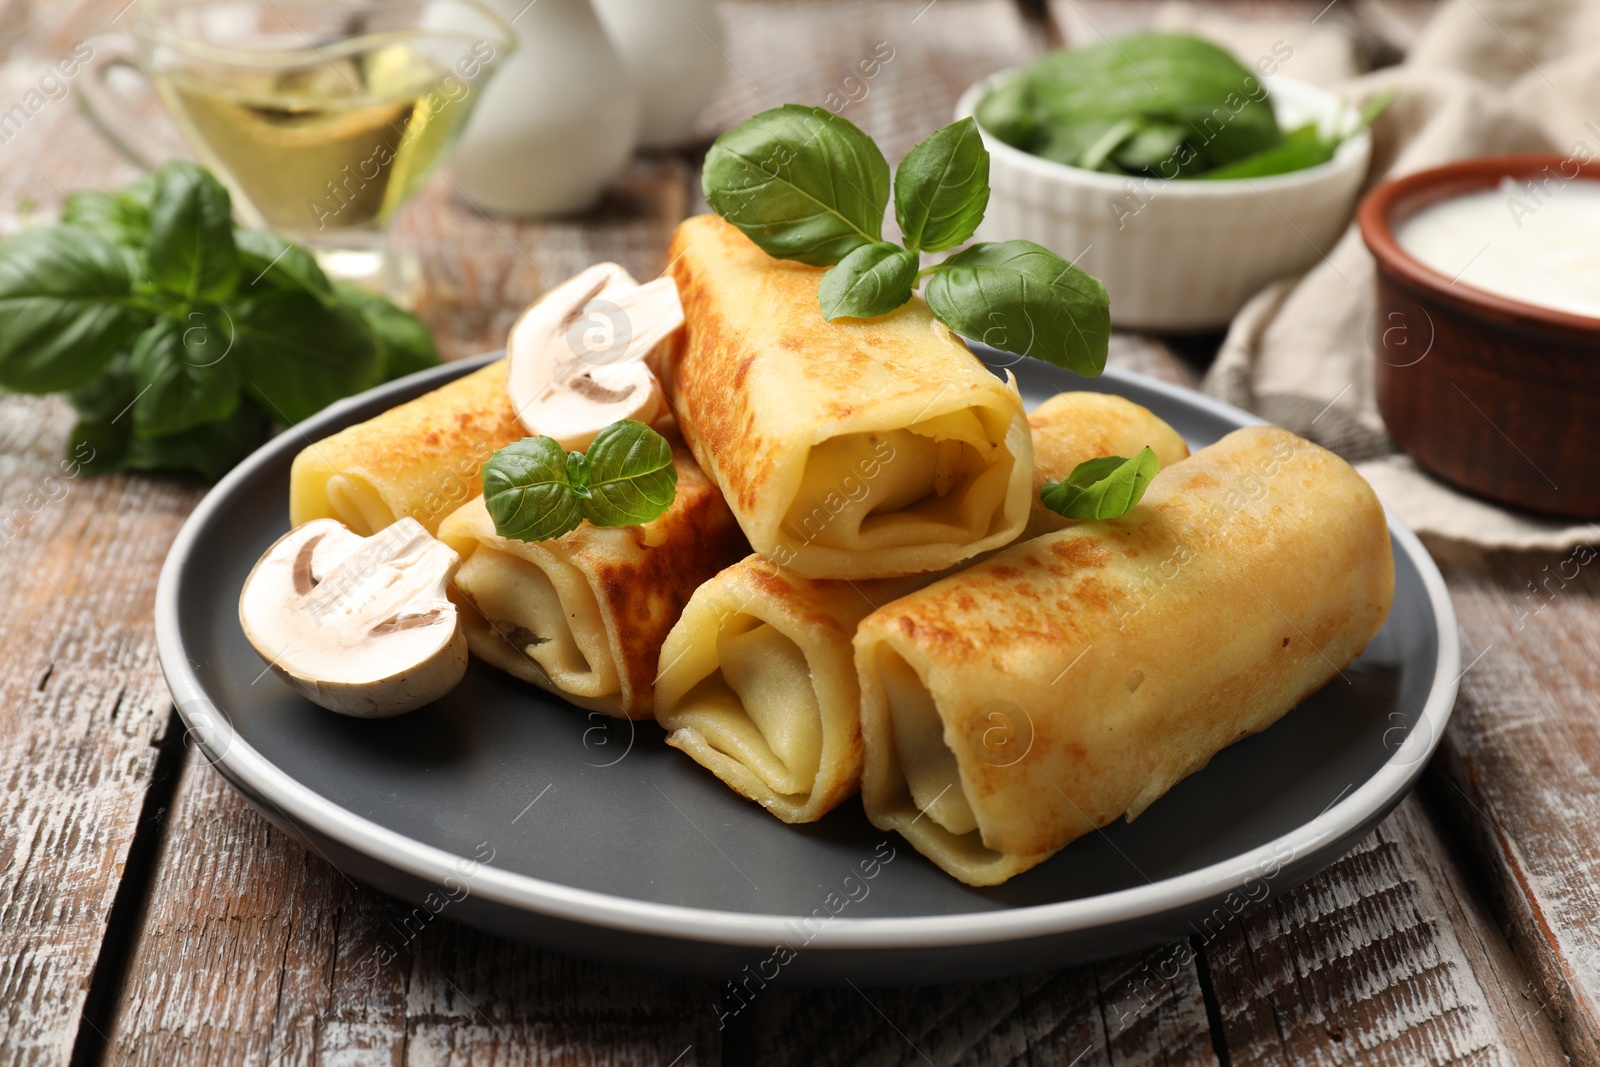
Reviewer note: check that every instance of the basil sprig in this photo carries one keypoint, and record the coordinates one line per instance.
(1102, 488)
(536, 491)
(805, 184)
(179, 337)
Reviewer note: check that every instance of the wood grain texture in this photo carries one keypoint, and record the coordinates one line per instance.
(1383, 958)
(1519, 764)
(251, 950)
(82, 706)
(1139, 1009)
(256, 951)
(482, 270)
(812, 52)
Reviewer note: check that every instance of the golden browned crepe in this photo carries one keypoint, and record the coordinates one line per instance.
(1075, 678)
(421, 459)
(584, 614)
(758, 683)
(1070, 428)
(758, 680)
(852, 449)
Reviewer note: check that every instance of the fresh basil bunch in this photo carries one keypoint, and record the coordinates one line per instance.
(178, 337)
(1165, 105)
(535, 490)
(1155, 105)
(807, 185)
(1102, 488)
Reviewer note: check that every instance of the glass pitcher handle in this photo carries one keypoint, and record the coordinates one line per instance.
(107, 112)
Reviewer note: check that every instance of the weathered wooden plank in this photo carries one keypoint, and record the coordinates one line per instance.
(199, 974)
(256, 951)
(1140, 1009)
(894, 67)
(252, 950)
(1519, 773)
(81, 707)
(481, 270)
(1383, 958)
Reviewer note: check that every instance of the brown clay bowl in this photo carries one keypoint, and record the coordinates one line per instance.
(1492, 395)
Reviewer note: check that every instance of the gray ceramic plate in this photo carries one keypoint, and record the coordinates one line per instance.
(507, 809)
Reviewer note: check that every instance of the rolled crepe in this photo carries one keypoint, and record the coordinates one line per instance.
(583, 615)
(851, 449)
(758, 680)
(421, 459)
(1075, 678)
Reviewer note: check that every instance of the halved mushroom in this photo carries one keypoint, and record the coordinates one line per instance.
(577, 356)
(358, 625)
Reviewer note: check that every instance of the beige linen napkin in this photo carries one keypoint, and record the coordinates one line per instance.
(1486, 77)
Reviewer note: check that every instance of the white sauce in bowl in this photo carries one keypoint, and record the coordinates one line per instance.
(1539, 245)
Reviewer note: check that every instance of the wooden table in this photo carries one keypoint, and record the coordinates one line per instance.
(147, 916)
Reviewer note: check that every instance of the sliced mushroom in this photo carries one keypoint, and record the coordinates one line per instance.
(577, 356)
(358, 625)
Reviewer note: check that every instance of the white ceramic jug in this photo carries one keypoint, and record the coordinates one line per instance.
(673, 49)
(558, 121)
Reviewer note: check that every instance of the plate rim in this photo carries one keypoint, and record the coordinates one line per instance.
(306, 810)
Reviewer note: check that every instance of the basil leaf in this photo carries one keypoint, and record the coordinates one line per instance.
(404, 344)
(184, 374)
(190, 250)
(800, 182)
(871, 281)
(629, 475)
(1019, 297)
(941, 188)
(1063, 105)
(100, 438)
(301, 355)
(63, 308)
(1302, 147)
(1102, 488)
(208, 450)
(108, 395)
(528, 493)
(1072, 144)
(1008, 113)
(120, 219)
(140, 193)
(1095, 155)
(99, 447)
(267, 261)
(1155, 149)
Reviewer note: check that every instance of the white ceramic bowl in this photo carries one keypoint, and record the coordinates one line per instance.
(1180, 255)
